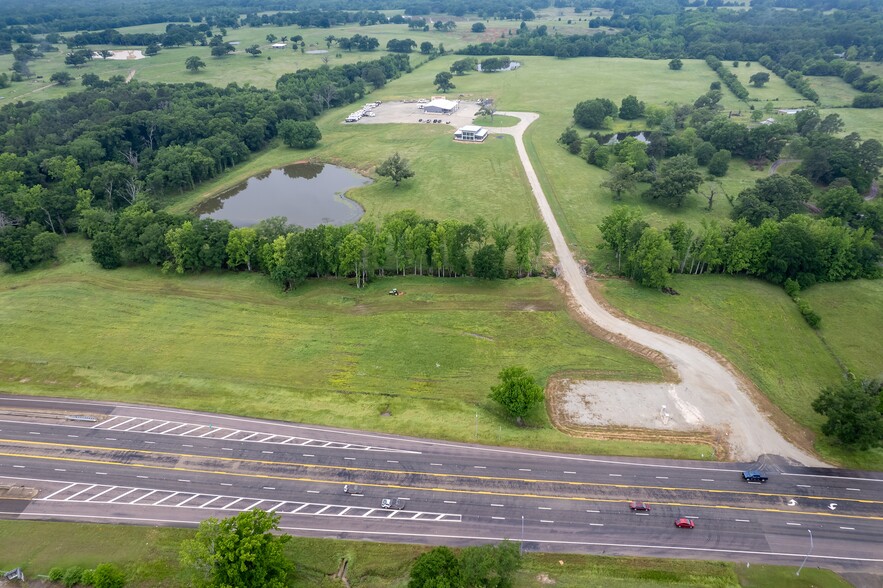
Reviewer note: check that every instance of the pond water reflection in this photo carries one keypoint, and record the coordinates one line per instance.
(307, 194)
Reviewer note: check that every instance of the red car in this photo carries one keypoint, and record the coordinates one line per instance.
(637, 505)
(684, 523)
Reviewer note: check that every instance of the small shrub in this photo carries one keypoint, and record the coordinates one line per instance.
(109, 576)
(56, 574)
(792, 288)
(88, 578)
(812, 319)
(72, 576)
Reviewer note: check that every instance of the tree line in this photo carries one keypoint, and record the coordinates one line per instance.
(404, 243)
(798, 248)
(83, 15)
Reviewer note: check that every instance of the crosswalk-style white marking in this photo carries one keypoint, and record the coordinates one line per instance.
(128, 496)
(150, 426)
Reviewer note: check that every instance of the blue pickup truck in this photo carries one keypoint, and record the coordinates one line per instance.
(754, 476)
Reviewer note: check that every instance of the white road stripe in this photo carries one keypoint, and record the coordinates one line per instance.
(100, 493)
(162, 424)
(742, 521)
(145, 496)
(848, 528)
(161, 500)
(793, 524)
(129, 420)
(121, 495)
(59, 491)
(81, 491)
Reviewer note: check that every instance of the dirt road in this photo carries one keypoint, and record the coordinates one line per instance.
(707, 388)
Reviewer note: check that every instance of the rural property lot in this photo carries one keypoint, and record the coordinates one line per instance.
(409, 112)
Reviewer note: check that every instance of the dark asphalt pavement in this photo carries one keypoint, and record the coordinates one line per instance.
(143, 465)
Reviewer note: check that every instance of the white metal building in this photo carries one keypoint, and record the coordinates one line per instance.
(471, 133)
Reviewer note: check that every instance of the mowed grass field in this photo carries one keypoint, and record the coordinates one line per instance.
(421, 364)
(150, 558)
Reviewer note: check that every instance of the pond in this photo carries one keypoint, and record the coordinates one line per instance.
(307, 194)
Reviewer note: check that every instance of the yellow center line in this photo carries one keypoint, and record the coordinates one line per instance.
(441, 490)
(432, 474)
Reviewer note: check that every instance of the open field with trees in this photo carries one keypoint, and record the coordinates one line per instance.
(150, 558)
(572, 185)
(324, 353)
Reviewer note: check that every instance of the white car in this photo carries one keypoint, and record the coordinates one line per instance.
(397, 504)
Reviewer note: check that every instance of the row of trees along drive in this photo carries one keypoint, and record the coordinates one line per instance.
(799, 248)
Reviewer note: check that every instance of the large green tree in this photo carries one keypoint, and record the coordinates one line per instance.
(517, 392)
(622, 179)
(855, 412)
(651, 260)
(437, 568)
(490, 565)
(677, 178)
(194, 63)
(300, 134)
(395, 168)
(773, 197)
(238, 551)
(443, 81)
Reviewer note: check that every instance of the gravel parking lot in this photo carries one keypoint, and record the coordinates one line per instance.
(408, 112)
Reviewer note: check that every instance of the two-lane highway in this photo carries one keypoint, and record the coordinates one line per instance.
(143, 465)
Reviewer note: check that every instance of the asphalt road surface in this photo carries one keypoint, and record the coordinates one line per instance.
(140, 465)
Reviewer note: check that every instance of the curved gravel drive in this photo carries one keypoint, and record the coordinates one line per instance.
(705, 384)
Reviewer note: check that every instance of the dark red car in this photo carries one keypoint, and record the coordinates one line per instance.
(684, 523)
(637, 505)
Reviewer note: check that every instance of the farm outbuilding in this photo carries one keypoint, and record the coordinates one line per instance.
(471, 133)
(440, 106)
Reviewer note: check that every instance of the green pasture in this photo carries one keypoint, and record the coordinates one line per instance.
(757, 327)
(832, 91)
(420, 364)
(867, 122)
(149, 555)
(452, 180)
(851, 323)
(776, 90)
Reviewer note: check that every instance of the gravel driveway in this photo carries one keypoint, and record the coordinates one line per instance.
(707, 393)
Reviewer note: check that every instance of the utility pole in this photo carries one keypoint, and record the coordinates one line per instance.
(476, 426)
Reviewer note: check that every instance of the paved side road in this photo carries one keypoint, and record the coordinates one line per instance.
(704, 383)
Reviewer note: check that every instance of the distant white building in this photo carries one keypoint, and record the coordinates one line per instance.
(789, 110)
(440, 106)
(471, 133)
(279, 45)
